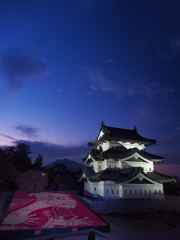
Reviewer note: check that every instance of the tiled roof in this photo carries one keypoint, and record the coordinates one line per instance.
(94, 153)
(118, 154)
(121, 134)
(132, 174)
(123, 175)
(111, 174)
(159, 177)
(150, 156)
(117, 175)
(89, 172)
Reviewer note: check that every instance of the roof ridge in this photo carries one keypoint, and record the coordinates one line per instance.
(120, 128)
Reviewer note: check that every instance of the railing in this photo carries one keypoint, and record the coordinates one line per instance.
(131, 205)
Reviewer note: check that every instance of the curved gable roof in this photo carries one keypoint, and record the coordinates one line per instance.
(120, 134)
(99, 155)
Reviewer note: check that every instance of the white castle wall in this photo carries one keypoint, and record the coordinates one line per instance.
(110, 190)
(110, 163)
(124, 145)
(143, 191)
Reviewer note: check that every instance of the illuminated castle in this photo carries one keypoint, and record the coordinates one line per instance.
(120, 168)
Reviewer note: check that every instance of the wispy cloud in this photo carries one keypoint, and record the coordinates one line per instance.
(59, 90)
(7, 136)
(27, 130)
(173, 48)
(109, 61)
(149, 90)
(174, 44)
(146, 112)
(99, 81)
(148, 98)
(20, 64)
(124, 87)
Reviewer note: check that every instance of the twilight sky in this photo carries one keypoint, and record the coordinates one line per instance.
(67, 65)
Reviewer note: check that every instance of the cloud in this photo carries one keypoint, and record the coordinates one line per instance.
(147, 110)
(148, 98)
(27, 130)
(59, 90)
(172, 50)
(125, 86)
(149, 90)
(52, 152)
(7, 136)
(99, 81)
(163, 53)
(20, 64)
(174, 44)
(109, 61)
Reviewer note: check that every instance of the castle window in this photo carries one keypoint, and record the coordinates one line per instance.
(99, 167)
(117, 191)
(94, 189)
(112, 191)
(125, 192)
(140, 191)
(130, 191)
(135, 191)
(107, 191)
(150, 191)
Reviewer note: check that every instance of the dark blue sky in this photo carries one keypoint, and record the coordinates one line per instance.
(67, 65)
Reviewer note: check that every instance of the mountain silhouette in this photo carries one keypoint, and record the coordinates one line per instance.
(71, 165)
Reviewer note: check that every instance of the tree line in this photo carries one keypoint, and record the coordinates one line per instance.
(19, 172)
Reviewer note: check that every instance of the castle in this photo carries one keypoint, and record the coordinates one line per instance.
(120, 168)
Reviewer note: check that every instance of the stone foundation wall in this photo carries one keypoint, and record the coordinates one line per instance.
(168, 204)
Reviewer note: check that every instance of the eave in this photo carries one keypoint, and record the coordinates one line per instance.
(117, 140)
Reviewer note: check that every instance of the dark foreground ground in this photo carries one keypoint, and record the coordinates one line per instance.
(143, 226)
(148, 226)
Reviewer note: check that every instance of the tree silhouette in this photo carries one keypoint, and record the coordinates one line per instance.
(20, 156)
(60, 168)
(38, 163)
(8, 172)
